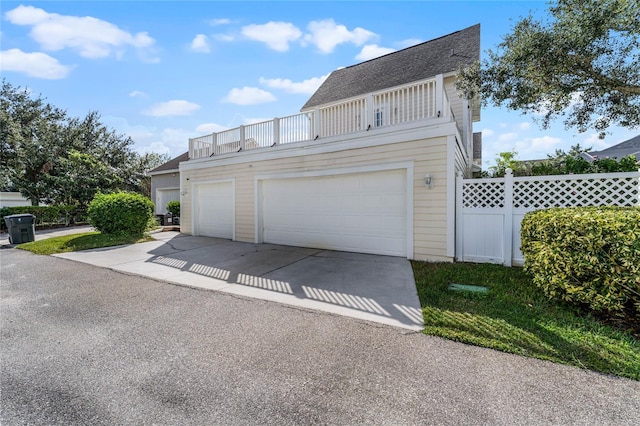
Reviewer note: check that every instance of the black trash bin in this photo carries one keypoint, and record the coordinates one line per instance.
(21, 228)
(168, 219)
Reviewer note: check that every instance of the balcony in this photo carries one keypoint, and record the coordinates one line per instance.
(421, 101)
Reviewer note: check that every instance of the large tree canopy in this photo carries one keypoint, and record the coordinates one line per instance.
(583, 65)
(53, 158)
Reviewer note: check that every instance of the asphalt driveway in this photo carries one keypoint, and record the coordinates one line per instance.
(86, 345)
(369, 287)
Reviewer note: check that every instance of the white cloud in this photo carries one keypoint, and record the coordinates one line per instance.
(487, 133)
(326, 35)
(208, 128)
(36, 64)
(91, 37)
(157, 147)
(219, 21)
(172, 108)
(593, 140)
(200, 43)
(276, 35)
(307, 87)
(169, 140)
(507, 137)
(524, 126)
(137, 94)
(371, 51)
(151, 139)
(546, 144)
(223, 37)
(409, 42)
(249, 96)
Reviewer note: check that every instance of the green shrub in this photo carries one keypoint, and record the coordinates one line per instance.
(121, 213)
(589, 256)
(173, 207)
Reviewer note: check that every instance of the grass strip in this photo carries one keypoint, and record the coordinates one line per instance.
(516, 317)
(83, 241)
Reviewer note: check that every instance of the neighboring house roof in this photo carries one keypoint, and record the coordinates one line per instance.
(438, 56)
(170, 166)
(621, 150)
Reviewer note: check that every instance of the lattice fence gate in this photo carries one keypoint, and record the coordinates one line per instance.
(489, 211)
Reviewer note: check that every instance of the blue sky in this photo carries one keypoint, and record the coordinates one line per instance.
(164, 71)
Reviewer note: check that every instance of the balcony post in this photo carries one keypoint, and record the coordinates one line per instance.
(276, 131)
(242, 137)
(370, 112)
(440, 112)
(214, 143)
(315, 124)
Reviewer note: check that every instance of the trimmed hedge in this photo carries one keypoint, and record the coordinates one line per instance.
(47, 215)
(589, 256)
(121, 213)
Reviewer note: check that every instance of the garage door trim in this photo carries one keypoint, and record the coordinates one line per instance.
(194, 210)
(406, 165)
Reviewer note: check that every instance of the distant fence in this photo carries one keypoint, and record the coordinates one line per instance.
(489, 211)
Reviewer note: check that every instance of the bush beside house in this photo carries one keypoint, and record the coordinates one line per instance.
(121, 212)
(589, 256)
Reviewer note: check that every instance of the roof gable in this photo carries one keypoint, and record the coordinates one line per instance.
(439, 56)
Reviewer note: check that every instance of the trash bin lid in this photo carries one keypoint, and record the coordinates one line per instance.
(20, 218)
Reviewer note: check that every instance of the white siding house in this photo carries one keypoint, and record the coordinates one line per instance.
(368, 165)
(165, 183)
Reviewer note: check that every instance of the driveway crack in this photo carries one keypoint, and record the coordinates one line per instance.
(290, 263)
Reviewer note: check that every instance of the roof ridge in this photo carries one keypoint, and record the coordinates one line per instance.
(412, 46)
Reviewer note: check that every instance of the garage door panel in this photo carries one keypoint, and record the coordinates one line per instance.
(214, 210)
(364, 212)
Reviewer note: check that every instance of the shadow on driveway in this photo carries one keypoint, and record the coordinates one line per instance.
(369, 287)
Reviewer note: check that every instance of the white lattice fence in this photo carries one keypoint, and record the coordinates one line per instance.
(489, 211)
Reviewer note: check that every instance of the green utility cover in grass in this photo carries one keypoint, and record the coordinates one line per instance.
(464, 287)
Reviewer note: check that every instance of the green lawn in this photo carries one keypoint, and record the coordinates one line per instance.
(84, 241)
(514, 316)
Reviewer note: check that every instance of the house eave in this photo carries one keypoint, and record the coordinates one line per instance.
(163, 172)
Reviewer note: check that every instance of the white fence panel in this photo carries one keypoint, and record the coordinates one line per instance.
(489, 212)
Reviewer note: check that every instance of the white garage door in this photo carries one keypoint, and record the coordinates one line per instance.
(361, 212)
(163, 196)
(214, 209)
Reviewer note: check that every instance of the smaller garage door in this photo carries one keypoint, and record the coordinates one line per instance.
(214, 210)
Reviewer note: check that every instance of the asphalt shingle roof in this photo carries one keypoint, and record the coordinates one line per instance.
(171, 164)
(439, 56)
(628, 147)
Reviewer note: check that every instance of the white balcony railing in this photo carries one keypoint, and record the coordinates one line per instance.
(425, 100)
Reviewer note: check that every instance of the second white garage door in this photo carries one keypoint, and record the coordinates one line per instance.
(360, 212)
(214, 209)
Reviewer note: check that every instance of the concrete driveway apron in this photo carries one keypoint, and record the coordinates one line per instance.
(369, 287)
